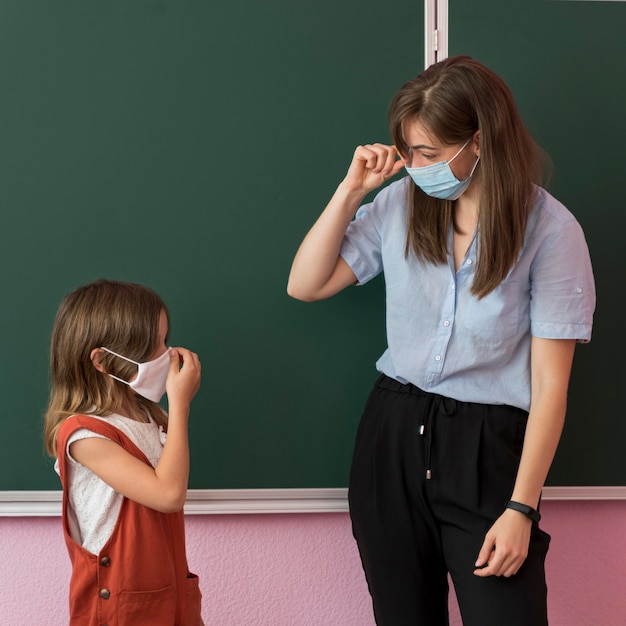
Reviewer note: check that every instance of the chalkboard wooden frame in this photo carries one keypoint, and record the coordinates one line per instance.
(261, 501)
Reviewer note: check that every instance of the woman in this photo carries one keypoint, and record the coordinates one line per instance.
(488, 288)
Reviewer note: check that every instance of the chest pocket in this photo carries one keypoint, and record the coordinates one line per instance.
(495, 317)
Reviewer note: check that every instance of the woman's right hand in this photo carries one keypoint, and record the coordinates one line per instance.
(183, 380)
(372, 165)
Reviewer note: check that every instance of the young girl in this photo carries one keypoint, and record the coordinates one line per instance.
(123, 461)
(488, 288)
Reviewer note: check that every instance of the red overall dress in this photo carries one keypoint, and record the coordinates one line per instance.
(140, 577)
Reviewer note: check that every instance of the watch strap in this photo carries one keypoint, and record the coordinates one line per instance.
(528, 511)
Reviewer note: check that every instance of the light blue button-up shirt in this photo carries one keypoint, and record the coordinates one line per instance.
(443, 339)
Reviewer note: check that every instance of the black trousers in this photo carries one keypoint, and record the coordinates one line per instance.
(430, 475)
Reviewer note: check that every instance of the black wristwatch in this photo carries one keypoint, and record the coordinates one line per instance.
(528, 511)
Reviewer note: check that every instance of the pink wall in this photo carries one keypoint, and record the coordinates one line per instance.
(304, 570)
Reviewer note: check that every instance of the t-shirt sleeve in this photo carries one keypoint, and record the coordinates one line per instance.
(81, 433)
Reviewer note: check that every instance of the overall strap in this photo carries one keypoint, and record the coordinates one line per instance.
(76, 422)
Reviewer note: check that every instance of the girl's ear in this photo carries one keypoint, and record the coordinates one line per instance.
(476, 143)
(96, 356)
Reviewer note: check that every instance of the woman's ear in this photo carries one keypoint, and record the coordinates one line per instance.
(476, 143)
(96, 356)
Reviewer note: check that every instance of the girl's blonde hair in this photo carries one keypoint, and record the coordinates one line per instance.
(123, 317)
(453, 99)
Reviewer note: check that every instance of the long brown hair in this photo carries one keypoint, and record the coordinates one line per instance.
(123, 317)
(453, 99)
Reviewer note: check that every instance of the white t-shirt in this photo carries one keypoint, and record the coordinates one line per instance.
(93, 505)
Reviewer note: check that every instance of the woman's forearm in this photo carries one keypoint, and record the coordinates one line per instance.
(551, 366)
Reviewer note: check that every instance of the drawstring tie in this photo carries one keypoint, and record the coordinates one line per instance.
(447, 406)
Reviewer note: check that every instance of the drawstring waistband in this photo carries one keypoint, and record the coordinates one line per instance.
(447, 406)
(442, 405)
(437, 404)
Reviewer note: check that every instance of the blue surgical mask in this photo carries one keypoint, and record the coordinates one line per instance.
(151, 376)
(438, 181)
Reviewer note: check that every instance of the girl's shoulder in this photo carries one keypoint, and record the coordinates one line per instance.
(147, 436)
(142, 433)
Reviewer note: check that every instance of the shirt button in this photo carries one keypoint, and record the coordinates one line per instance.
(105, 594)
(105, 561)
(469, 261)
(446, 323)
(438, 357)
(579, 289)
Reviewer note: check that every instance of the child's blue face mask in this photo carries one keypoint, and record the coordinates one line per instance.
(438, 181)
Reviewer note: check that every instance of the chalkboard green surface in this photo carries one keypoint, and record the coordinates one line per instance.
(189, 146)
(566, 63)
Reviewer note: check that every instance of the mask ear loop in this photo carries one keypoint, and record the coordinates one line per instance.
(459, 152)
(121, 357)
(475, 166)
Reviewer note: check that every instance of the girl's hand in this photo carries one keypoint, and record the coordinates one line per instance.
(505, 547)
(183, 380)
(371, 166)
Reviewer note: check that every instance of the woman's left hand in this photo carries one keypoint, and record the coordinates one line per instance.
(505, 547)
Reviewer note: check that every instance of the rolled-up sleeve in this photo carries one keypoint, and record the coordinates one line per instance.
(362, 244)
(563, 295)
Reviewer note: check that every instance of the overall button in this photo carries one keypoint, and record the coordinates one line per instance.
(105, 561)
(105, 594)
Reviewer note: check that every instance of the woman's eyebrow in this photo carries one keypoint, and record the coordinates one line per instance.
(423, 146)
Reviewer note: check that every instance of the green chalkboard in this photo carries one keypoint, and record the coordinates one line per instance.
(189, 146)
(566, 63)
